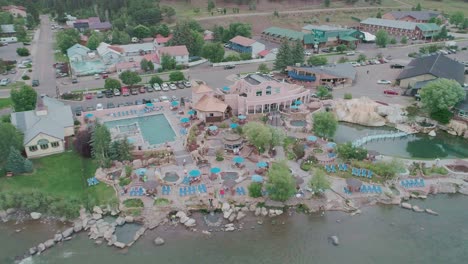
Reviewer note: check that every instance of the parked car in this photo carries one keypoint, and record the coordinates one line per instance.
(5, 82)
(307, 53)
(384, 82)
(355, 64)
(109, 94)
(172, 86)
(164, 98)
(165, 87)
(121, 105)
(174, 98)
(188, 84)
(35, 83)
(227, 45)
(97, 77)
(138, 102)
(392, 92)
(13, 71)
(134, 91)
(149, 88)
(99, 107)
(125, 91)
(351, 53)
(142, 89)
(110, 105)
(89, 96)
(105, 76)
(397, 66)
(90, 108)
(116, 92)
(180, 85)
(74, 80)
(326, 50)
(78, 110)
(230, 66)
(99, 94)
(157, 87)
(156, 100)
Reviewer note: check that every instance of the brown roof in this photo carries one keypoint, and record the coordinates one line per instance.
(242, 40)
(174, 50)
(116, 48)
(210, 104)
(202, 88)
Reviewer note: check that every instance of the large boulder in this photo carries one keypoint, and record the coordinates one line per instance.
(11, 211)
(58, 237)
(119, 244)
(41, 247)
(181, 214)
(240, 215)
(77, 226)
(227, 213)
(120, 221)
(97, 210)
(278, 212)
(35, 215)
(406, 206)
(184, 219)
(49, 243)
(159, 241)
(252, 208)
(129, 219)
(3, 216)
(417, 209)
(232, 217)
(97, 216)
(225, 207)
(361, 111)
(258, 211)
(32, 250)
(335, 241)
(190, 222)
(264, 211)
(67, 232)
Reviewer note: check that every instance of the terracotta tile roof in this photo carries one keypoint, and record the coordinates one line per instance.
(202, 88)
(127, 65)
(9, 7)
(174, 50)
(210, 104)
(263, 53)
(243, 41)
(152, 57)
(208, 37)
(160, 39)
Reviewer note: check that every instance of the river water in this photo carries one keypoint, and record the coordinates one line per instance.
(382, 234)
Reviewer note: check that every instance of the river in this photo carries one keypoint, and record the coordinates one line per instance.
(381, 234)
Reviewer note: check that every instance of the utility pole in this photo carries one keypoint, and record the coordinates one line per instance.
(57, 92)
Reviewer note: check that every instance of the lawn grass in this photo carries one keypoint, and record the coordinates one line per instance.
(62, 175)
(135, 202)
(60, 57)
(5, 103)
(14, 85)
(447, 6)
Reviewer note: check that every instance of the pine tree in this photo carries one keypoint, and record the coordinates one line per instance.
(15, 162)
(124, 150)
(298, 52)
(283, 58)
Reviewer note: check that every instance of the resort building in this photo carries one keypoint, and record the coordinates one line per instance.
(277, 35)
(400, 28)
(209, 108)
(161, 41)
(413, 16)
(179, 53)
(324, 35)
(339, 75)
(430, 68)
(45, 128)
(246, 45)
(261, 94)
(92, 23)
(16, 11)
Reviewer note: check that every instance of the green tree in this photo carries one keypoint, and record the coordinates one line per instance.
(404, 40)
(156, 79)
(144, 65)
(322, 92)
(15, 162)
(23, 52)
(263, 68)
(347, 151)
(111, 84)
(443, 33)
(100, 144)
(277, 137)
(258, 135)
(393, 41)
(176, 76)
(297, 52)
(93, 42)
(361, 57)
(255, 189)
(169, 11)
(326, 3)
(325, 124)
(441, 94)
(284, 57)
(214, 52)
(319, 182)
(10, 136)
(130, 78)
(120, 150)
(141, 32)
(418, 7)
(317, 60)
(23, 99)
(379, 14)
(167, 62)
(163, 29)
(211, 5)
(281, 184)
(67, 38)
(184, 34)
(381, 38)
(457, 18)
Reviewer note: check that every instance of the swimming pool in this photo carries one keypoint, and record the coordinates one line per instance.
(171, 176)
(298, 123)
(87, 67)
(155, 129)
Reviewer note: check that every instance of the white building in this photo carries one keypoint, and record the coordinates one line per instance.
(179, 53)
(246, 45)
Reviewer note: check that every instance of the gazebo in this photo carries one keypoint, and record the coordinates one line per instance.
(232, 142)
(354, 185)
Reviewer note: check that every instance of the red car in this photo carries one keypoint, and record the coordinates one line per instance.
(125, 91)
(390, 92)
(142, 89)
(89, 96)
(105, 76)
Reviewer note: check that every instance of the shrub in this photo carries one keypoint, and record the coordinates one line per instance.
(219, 155)
(134, 202)
(442, 116)
(128, 171)
(255, 189)
(125, 181)
(25, 77)
(348, 96)
(298, 150)
(306, 165)
(23, 52)
(161, 202)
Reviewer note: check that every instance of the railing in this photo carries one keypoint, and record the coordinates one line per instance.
(361, 141)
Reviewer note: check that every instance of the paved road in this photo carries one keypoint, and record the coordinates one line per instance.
(43, 58)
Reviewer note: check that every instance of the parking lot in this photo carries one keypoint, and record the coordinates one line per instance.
(8, 53)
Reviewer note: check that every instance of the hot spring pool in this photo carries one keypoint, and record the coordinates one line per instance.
(171, 176)
(298, 123)
(230, 175)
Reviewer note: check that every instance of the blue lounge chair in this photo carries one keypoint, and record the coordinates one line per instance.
(333, 169)
(422, 183)
(353, 171)
(363, 189)
(204, 188)
(118, 114)
(181, 192)
(369, 174)
(186, 180)
(363, 172)
(374, 188)
(243, 191)
(326, 168)
(379, 189)
(193, 189)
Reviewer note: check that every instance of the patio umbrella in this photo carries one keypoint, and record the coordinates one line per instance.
(312, 138)
(262, 164)
(213, 128)
(234, 125)
(174, 103)
(141, 171)
(298, 102)
(294, 107)
(242, 117)
(215, 170)
(191, 112)
(89, 115)
(238, 159)
(257, 178)
(225, 88)
(331, 145)
(194, 173)
(149, 105)
(184, 120)
(229, 183)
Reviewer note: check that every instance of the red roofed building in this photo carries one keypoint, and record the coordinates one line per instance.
(246, 45)
(179, 53)
(127, 66)
(16, 11)
(161, 41)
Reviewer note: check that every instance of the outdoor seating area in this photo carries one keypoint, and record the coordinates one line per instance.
(192, 190)
(151, 108)
(92, 181)
(166, 190)
(124, 113)
(241, 191)
(332, 168)
(362, 173)
(137, 191)
(413, 183)
(371, 189)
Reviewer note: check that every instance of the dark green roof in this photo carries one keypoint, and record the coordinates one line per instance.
(285, 33)
(428, 27)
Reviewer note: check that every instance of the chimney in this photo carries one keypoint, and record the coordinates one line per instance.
(41, 109)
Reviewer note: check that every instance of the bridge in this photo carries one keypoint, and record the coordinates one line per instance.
(392, 135)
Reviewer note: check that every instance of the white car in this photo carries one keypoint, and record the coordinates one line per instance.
(157, 87)
(187, 84)
(5, 82)
(384, 82)
(173, 86)
(99, 107)
(307, 53)
(355, 64)
(165, 87)
(351, 53)
(164, 98)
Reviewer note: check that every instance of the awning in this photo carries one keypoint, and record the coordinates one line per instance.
(191, 112)
(234, 125)
(312, 138)
(174, 103)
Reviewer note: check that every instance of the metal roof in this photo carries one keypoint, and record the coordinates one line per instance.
(389, 23)
(428, 27)
(283, 32)
(243, 41)
(418, 15)
(322, 28)
(10, 28)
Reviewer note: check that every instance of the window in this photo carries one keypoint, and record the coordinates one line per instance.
(258, 93)
(268, 90)
(32, 148)
(55, 144)
(211, 114)
(44, 146)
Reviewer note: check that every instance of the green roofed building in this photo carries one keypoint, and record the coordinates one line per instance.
(277, 35)
(401, 28)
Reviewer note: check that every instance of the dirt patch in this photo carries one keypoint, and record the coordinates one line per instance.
(458, 168)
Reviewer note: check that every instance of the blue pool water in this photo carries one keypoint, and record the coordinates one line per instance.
(155, 128)
(87, 67)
